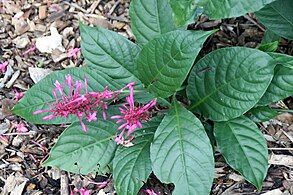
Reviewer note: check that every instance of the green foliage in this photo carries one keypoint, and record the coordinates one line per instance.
(280, 87)
(278, 17)
(109, 53)
(269, 47)
(244, 148)
(269, 37)
(228, 82)
(84, 153)
(184, 11)
(132, 166)
(283, 59)
(150, 19)
(164, 62)
(181, 153)
(218, 9)
(261, 114)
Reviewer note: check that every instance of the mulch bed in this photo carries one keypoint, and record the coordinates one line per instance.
(22, 154)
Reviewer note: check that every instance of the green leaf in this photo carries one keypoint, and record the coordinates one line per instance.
(283, 59)
(40, 96)
(280, 87)
(278, 17)
(181, 153)
(269, 37)
(84, 153)
(218, 9)
(261, 114)
(244, 148)
(184, 11)
(150, 19)
(132, 166)
(228, 82)
(269, 47)
(110, 53)
(164, 62)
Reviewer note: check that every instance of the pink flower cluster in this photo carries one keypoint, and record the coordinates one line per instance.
(131, 116)
(75, 99)
(74, 102)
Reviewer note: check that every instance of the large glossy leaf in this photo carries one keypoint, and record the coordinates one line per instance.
(244, 148)
(132, 166)
(150, 19)
(184, 11)
(278, 17)
(280, 87)
(40, 96)
(283, 59)
(83, 153)
(110, 53)
(181, 153)
(261, 114)
(228, 82)
(218, 9)
(164, 62)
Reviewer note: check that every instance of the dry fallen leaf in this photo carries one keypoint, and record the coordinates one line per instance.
(274, 192)
(279, 159)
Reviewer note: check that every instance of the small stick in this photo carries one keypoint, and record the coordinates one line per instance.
(281, 149)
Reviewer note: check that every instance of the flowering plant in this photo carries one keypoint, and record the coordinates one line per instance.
(161, 113)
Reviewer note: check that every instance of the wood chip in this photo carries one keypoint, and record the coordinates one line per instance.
(42, 12)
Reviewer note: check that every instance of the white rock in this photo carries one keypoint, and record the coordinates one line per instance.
(38, 74)
(48, 43)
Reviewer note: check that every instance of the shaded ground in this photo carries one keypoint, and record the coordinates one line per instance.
(21, 154)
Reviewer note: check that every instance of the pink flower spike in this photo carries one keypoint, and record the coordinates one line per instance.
(30, 50)
(3, 66)
(150, 192)
(131, 116)
(21, 128)
(91, 117)
(77, 101)
(72, 53)
(84, 191)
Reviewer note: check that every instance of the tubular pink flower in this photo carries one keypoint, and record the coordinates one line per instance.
(72, 53)
(3, 66)
(131, 116)
(150, 192)
(78, 101)
(21, 128)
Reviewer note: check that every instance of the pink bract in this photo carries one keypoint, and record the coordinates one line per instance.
(75, 99)
(131, 116)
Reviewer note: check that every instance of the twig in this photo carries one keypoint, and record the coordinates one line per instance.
(254, 22)
(280, 149)
(27, 133)
(64, 184)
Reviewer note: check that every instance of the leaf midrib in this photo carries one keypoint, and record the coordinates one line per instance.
(119, 63)
(234, 134)
(222, 86)
(155, 78)
(180, 141)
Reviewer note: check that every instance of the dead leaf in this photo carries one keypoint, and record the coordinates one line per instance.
(274, 192)
(18, 189)
(279, 159)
